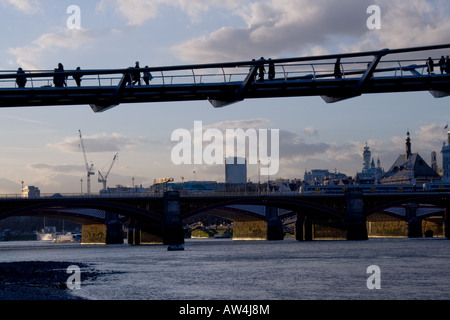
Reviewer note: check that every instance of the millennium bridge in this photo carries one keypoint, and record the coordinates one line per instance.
(333, 77)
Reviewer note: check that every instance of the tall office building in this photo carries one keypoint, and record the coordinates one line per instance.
(236, 170)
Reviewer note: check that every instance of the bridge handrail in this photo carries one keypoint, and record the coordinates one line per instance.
(287, 75)
(301, 65)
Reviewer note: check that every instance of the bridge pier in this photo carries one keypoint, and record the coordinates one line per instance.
(173, 234)
(354, 216)
(274, 224)
(414, 223)
(447, 223)
(133, 233)
(303, 228)
(114, 232)
(271, 228)
(144, 233)
(108, 233)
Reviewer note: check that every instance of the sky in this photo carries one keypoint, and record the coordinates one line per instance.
(41, 147)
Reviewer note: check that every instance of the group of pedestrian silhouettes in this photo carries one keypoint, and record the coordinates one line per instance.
(60, 78)
(444, 65)
(261, 70)
(133, 77)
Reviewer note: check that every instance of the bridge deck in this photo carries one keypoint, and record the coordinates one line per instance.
(225, 83)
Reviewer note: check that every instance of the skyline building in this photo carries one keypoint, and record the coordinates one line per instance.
(445, 151)
(410, 168)
(236, 170)
(370, 173)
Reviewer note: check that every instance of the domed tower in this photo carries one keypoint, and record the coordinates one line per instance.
(366, 157)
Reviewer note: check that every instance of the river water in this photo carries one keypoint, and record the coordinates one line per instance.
(254, 270)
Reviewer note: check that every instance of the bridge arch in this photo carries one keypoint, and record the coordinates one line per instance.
(64, 205)
(296, 206)
(438, 200)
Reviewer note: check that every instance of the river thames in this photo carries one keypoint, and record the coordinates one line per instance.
(222, 269)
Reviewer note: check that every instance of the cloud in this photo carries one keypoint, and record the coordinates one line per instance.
(137, 12)
(28, 56)
(60, 168)
(98, 143)
(25, 6)
(296, 27)
(258, 123)
(278, 26)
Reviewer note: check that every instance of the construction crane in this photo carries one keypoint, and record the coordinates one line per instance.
(88, 168)
(102, 179)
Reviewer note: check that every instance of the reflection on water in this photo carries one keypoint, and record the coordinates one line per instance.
(269, 270)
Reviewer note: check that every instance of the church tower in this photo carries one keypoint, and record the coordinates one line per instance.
(408, 145)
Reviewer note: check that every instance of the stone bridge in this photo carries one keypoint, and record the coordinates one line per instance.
(160, 219)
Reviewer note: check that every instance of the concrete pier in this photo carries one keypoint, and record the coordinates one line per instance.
(414, 222)
(173, 234)
(355, 219)
(304, 228)
(274, 224)
(108, 233)
(447, 223)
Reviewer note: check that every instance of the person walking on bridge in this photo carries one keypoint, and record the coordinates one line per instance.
(430, 65)
(271, 69)
(77, 77)
(137, 75)
(447, 64)
(147, 76)
(261, 69)
(59, 79)
(442, 64)
(21, 80)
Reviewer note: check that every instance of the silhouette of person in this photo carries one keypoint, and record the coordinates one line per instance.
(128, 77)
(137, 75)
(271, 69)
(254, 78)
(261, 69)
(430, 65)
(59, 79)
(337, 69)
(21, 80)
(442, 64)
(447, 64)
(147, 76)
(77, 77)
